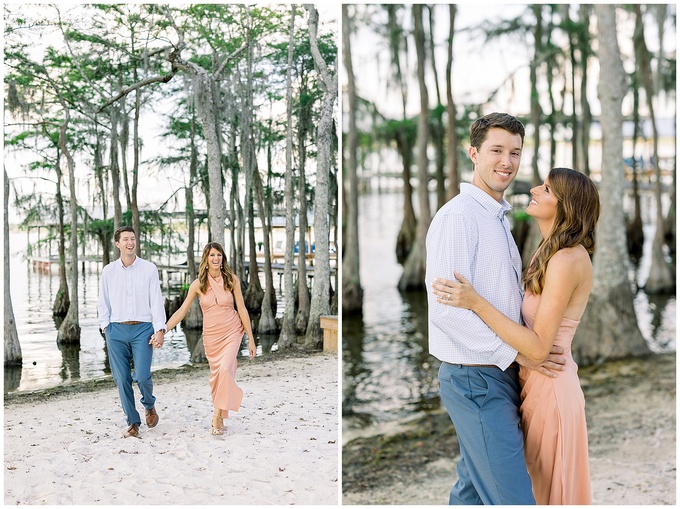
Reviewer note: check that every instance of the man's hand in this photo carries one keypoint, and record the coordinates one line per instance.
(550, 366)
(157, 339)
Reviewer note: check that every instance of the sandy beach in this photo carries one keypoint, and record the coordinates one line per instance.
(631, 413)
(66, 446)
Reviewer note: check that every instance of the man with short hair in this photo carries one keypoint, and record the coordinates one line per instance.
(479, 374)
(130, 310)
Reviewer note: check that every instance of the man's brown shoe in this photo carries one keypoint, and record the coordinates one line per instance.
(151, 417)
(132, 431)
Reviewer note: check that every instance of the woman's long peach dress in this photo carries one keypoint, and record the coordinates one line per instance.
(554, 423)
(222, 335)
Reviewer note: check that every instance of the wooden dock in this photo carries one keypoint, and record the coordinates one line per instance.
(167, 272)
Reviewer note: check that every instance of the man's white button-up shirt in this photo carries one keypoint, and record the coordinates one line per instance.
(131, 294)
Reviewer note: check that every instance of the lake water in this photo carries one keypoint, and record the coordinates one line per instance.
(46, 364)
(387, 371)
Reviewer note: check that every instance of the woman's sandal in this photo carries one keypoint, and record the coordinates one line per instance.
(216, 430)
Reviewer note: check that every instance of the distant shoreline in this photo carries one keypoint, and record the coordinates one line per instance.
(186, 371)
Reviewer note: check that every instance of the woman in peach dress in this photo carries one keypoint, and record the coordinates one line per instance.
(218, 289)
(557, 283)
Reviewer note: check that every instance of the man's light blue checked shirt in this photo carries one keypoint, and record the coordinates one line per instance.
(471, 235)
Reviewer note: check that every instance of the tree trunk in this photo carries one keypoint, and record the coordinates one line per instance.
(134, 205)
(573, 44)
(302, 317)
(198, 352)
(100, 171)
(532, 240)
(660, 279)
(13, 356)
(240, 229)
(669, 225)
(609, 329)
(405, 142)
(194, 317)
(115, 176)
(320, 304)
(69, 331)
(454, 179)
(352, 293)
(235, 209)
(62, 301)
(267, 322)
(254, 294)
(535, 104)
(333, 208)
(396, 38)
(287, 337)
(414, 268)
(670, 221)
(123, 140)
(204, 106)
(104, 232)
(407, 233)
(584, 47)
(635, 235)
(438, 135)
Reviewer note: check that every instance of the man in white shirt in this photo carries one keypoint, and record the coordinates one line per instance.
(130, 310)
(479, 375)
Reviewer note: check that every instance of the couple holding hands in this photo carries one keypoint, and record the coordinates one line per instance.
(131, 315)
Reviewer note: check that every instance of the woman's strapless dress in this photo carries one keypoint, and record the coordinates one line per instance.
(554, 424)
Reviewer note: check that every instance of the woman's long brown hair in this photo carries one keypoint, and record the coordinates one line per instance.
(227, 274)
(578, 209)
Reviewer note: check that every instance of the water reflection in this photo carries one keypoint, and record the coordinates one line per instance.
(353, 366)
(12, 377)
(266, 344)
(387, 370)
(194, 340)
(656, 319)
(70, 361)
(425, 393)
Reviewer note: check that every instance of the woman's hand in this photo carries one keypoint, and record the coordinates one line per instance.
(459, 293)
(251, 348)
(157, 339)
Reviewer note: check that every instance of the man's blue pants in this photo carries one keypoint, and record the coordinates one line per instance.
(483, 403)
(125, 343)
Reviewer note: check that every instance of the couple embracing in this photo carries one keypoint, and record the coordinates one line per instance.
(131, 315)
(507, 378)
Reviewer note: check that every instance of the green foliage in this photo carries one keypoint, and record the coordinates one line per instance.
(88, 52)
(17, 140)
(405, 129)
(521, 215)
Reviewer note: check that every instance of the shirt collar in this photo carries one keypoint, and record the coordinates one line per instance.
(498, 209)
(119, 261)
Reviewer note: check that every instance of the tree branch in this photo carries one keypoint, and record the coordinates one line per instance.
(226, 60)
(313, 23)
(143, 83)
